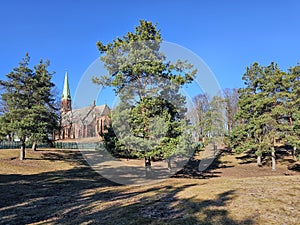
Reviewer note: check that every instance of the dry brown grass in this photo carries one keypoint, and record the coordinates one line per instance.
(36, 162)
(57, 187)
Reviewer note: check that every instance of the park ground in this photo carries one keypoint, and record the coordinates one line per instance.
(58, 187)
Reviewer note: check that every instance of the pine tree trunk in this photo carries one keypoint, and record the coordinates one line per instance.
(22, 151)
(273, 159)
(34, 146)
(215, 149)
(260, 154)
(273, 156)
(148, 167)
(294, 152)
(259, 160)
(169, 164)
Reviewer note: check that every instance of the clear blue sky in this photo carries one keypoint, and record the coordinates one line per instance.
(228, 35)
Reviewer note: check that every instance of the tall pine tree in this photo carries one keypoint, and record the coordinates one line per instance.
(30, 112)
(149, 89)
(266, 111)
(292, 109)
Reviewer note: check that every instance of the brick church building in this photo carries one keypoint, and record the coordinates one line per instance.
(84, 122)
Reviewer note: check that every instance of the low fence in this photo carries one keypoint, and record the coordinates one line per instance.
(17, 144)
(59, 145)
(77, 145)
(9, 144)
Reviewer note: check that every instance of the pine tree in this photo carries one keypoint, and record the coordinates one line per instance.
(246, 135)
(292, 109)
(262, 111)
(29, 114)
(44, 109)
(149, 89)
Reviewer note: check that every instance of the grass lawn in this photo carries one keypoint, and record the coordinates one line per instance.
(58, 187)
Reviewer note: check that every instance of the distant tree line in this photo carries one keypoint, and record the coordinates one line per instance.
(215, 117)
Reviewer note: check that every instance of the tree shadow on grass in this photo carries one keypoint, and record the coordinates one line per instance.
(32, 198)
(248, 158)
(283, 156)
(191, 169)
(81, 196)
(167, 208)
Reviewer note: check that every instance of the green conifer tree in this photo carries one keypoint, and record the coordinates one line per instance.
(27, 94)
(149, 88)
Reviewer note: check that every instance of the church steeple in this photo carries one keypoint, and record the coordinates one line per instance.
(66, 93)
(66, 96)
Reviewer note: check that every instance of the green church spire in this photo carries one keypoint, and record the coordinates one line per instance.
(66, 93)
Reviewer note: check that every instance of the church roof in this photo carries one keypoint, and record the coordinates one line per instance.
(66, 92)
(85, 116)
